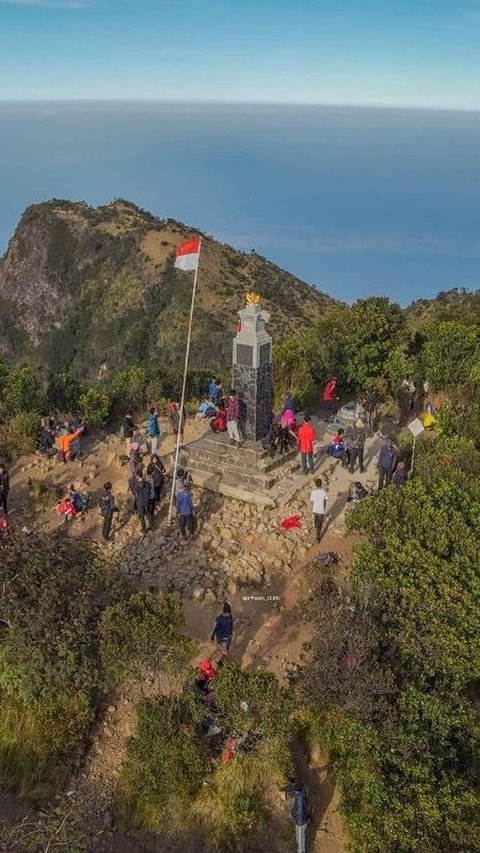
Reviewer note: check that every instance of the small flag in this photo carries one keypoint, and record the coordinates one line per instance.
(187, 255)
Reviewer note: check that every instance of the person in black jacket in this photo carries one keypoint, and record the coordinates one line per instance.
(223, 629)
(142, 495)
(296, 790)
(107, 508)
(4, 489)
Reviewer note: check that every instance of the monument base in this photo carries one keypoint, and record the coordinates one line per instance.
(248, 469)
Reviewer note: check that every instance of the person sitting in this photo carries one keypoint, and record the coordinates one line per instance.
(358, 493)
(68, 444)
(46, 444)
(219, 422)
(73, 503)
(206, 409)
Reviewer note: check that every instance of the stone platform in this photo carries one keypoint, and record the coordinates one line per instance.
(228, 469)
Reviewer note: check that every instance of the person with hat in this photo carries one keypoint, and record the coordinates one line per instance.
(358, 436)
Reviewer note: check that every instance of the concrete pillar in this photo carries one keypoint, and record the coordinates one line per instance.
(252, 370)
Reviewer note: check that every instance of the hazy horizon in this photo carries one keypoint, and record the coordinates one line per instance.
(356, 200)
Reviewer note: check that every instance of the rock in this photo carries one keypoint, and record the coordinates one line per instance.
(198, 593)
(210, 597)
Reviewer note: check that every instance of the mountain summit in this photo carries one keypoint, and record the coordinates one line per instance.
(95, 289)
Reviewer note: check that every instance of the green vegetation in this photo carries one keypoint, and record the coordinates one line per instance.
(170, 782)
(397, 697)
(65, 611)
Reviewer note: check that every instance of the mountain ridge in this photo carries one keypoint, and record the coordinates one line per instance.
(94, 288)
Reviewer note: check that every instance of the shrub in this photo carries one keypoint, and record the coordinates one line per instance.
(20, 434)
(94, 407)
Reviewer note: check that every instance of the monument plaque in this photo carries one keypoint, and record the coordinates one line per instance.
(252, 369)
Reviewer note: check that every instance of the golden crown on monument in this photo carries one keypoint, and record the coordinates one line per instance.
(252, 298)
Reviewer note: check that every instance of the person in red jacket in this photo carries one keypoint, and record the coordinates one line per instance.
(306, 437)
(330, 395)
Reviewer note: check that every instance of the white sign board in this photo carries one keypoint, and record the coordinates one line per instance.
(416, 427)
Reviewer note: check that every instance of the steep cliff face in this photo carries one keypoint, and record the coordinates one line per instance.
(95, 289)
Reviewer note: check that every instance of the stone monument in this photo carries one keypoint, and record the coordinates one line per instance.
(252, 369)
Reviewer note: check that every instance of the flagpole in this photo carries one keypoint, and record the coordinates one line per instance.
(184, 386)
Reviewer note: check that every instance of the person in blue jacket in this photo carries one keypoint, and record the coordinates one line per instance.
(296, 791)
(223, 629)
(153, 429)
(185, 511)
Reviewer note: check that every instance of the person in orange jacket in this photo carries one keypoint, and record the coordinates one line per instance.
(306, 437)
(64, 443)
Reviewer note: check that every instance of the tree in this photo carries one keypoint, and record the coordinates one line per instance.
(451, 353)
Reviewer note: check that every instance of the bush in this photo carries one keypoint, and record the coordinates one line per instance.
(165, 767)
(141, 635)
(94, 407)
(20, 435)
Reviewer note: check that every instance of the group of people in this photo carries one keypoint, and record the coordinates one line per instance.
(62, 438)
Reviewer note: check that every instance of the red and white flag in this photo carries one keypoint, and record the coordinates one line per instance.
(187, 255)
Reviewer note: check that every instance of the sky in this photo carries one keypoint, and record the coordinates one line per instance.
(396, 53)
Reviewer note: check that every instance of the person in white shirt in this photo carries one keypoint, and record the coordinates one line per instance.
(319, 499)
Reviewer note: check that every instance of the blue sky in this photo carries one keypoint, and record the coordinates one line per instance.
(423, 53)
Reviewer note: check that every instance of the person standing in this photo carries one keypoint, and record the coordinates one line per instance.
(158, 475)
(387, 461)
(306, 438)
(141, 492)
(222, 632)
(371, 403)
(318, 498)
(185, 512)
(107, 508)
(400, 475)
(150, 479)
(357, 445)
(233, 414)
(330, 396)
(128, 431)
(4, 489)
(173, 409)
(153, 429)
(295, 790)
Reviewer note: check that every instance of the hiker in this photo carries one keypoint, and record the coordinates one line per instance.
(296, 791)
(153, 429)
(185, 510)
(329, 397)
(135, 456)
(358, 493)
(400, 475)
(233, 413)
(65, 442)
(184, 480)
(222, 632)
(306, 437)
(150, 479)
(357, 445)
(371, 403)
(46, 443)
(287, 420)
(173, 409)
(128, 430)
(140, 490)
(406, 396)
(319, 499)
(288, 402)
(158, 475)
(387, 461)
(339, 448)
(107, 508)
(205, 410)
(72, 504)
(215, 391)
(219, 422)
(4, 489)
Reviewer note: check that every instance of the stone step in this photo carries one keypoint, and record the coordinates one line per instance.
(233, 457)
(230, 475)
